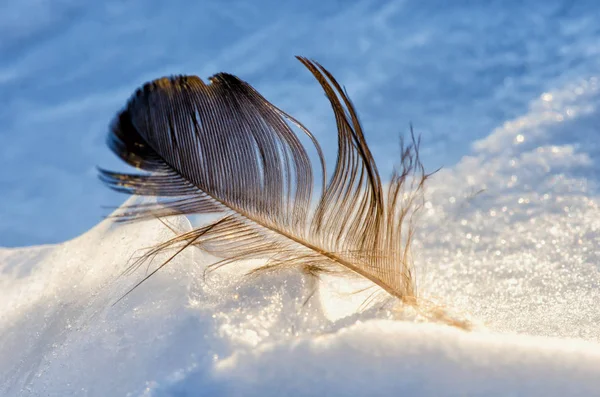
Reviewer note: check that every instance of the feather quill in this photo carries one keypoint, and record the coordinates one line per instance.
(221, 147)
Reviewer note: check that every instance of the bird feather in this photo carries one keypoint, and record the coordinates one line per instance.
(221, 147)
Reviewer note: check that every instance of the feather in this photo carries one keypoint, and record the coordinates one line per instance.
(223, 148)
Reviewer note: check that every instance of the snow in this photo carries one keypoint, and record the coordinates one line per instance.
(523, 254)
(507, 98)
(456, 70)
(520, 258)
(385, 358)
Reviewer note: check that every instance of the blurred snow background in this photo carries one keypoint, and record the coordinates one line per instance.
(505, 95)
(457, 72)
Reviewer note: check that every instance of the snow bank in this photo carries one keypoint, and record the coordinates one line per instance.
(180, 336)
(383, 358)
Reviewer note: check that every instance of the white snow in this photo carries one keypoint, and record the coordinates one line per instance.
(506, 94)
(521, 258)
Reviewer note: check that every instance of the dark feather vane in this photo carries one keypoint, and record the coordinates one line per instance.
(223, 148)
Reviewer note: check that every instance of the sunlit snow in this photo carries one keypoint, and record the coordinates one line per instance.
(507, 98)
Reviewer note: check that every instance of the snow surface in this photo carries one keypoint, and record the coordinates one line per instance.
(506, 94)
(520, 258)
